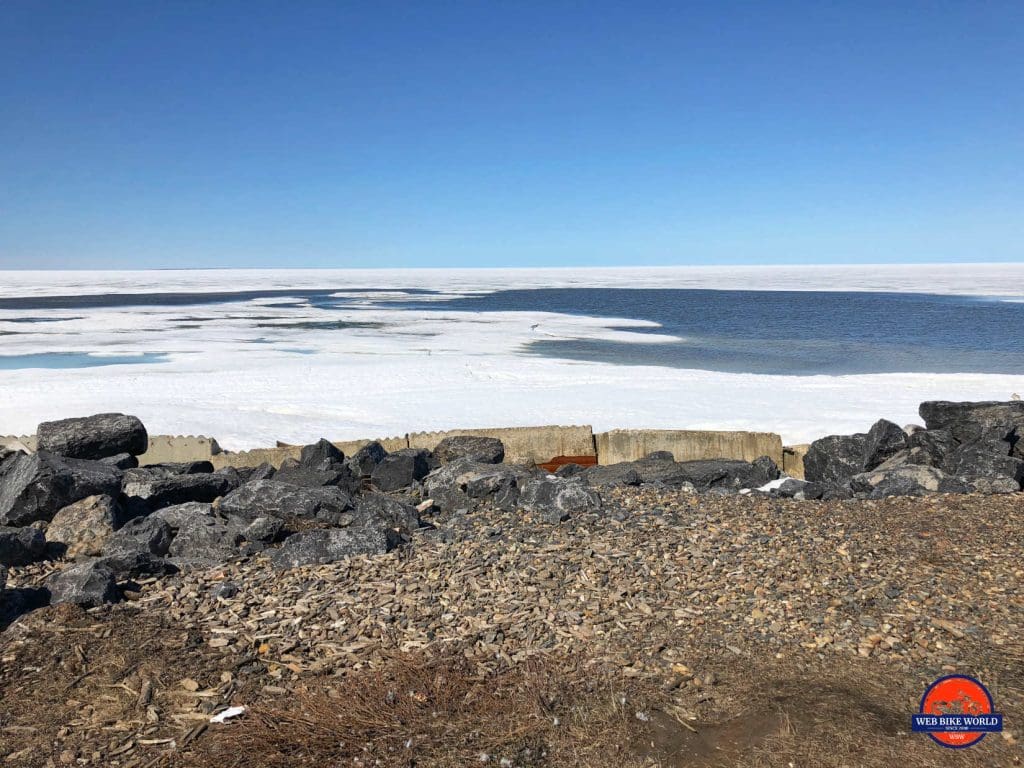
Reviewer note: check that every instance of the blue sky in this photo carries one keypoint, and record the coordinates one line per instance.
(166, 134)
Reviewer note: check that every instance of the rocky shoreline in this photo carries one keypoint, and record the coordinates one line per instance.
(82, 498)
(898, 556)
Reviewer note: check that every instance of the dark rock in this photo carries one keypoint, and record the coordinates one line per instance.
(729, 473)
(569, 470)
(164, 491)
(835, 459)
(21, 546)
(263, 530)
(129, 564)
(908, 480)
(204, 540)
(932, 446)
(972, 462)
(555, 499)
(169, 468)
(264, 471)
(34, 487)
(462, 482)
(483, 450)
(338, 475)
(967, 422)
(270, 498)
(318, 547)
(396, 514)
(793, 488)
(827, 491)
(367, 458)
(142, 534)
(625, 473)
(661, 456)
(203, 536)
(89, 584)
(401, 469)
(764, 468)
(94, 437)
(225, 590)
(121, 461)
(179, 514)
(703, 474)
(882, 441)
(320, 455)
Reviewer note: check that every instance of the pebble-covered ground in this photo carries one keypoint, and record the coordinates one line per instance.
(669, 588)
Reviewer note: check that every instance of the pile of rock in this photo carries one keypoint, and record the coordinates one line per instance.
(962, 448)
(84, 499)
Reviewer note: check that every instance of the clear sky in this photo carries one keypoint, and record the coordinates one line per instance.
(187, 133)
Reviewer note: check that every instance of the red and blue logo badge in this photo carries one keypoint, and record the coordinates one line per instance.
(956, 712)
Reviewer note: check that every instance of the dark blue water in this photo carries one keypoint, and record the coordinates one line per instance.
(782, 332)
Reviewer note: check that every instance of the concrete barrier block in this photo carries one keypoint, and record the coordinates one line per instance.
(163, 448)
(793, 459)
(17, 442)
(686, 445)
(349, 447)
(537, 444)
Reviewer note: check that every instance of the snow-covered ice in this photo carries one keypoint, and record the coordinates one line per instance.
(251, 381)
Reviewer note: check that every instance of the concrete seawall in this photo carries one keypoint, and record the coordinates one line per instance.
(536, 444)
(544, 445)
(686, 445)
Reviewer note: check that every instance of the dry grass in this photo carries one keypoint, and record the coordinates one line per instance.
(417, 711)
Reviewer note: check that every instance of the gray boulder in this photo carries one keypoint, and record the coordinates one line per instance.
(121, 461)
(882, 441)
(203, 536)
(704, 474)
(366, 459)
(932, 446)
(464, 482)
(138, 548)
(339, 475)
(89, 584)
(835, 459)
(94, 437)
(908, 480)
(401, 469)
(630, 473)
(556, 499)
(173, 468)
(159, 491)
(320, 455)
(21, 546)
(34, 487)
(141, 534)
(318, 547)
(967, 422)
(483, 450)
(270, 498)
(205, 540)
(396, 514)
(569, 470)
(84, 527)
(976, 463)
(179, 514)
(793, 488)
(263, 530)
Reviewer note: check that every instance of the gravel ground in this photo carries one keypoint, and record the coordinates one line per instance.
(670, 588)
